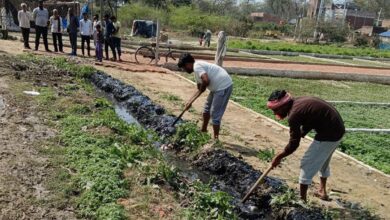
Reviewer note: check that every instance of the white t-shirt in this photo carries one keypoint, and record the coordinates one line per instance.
(86, 28)
(54, 24)
(24, 19)
(41, 17)
(218, 77)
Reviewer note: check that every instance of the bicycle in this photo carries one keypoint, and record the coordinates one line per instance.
(146, 54)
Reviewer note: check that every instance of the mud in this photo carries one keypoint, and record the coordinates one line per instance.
(229, 173)
(236, 177)
(148, 114)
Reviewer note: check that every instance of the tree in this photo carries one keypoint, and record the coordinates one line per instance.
(375, 6)
(284, 8)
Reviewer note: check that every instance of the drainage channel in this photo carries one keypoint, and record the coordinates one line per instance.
(229, 174)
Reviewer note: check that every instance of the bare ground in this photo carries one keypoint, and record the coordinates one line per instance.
(24, 169)
(245, 132)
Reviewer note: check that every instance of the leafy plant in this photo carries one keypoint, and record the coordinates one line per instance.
(287, 198)
(266, 155)
(216, 205)
(188, 135)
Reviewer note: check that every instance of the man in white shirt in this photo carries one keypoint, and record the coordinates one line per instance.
(215, 79)
(41, 17)
(86, 31)
(56, 30)
(24, 18)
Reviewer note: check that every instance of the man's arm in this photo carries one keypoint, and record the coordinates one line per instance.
(19, 16)
(305, 130)
(34, 13)
(201, 88)
(293, 144)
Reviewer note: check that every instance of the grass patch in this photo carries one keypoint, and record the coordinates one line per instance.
(266, 155)
(307, 48)
(170, 97)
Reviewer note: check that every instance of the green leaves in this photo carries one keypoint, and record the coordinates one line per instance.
(287, 198)
(308, 48)
(188, 135)
(217, 205)
(266, 155)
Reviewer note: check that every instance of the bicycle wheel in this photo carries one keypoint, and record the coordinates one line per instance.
(144, 55)
(169, 55)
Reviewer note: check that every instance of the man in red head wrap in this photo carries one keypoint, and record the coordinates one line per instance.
(306, 114)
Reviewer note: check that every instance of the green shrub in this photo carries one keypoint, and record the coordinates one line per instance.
(188, 135)
(266, 155)
(287, 198)
(214, 205)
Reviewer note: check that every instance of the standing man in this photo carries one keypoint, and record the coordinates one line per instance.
(41, 17)
(207, 38)
(109, 29)
(116, 37)
(305, 114)
(56, 30)
(24, 18)
(86, 31)
(72, 31)
(218, 81)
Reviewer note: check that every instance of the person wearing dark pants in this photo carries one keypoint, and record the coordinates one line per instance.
(41, 17)
(116, 37)
(99, 43)
(56, 30)
(26, 37)
(108, 31)
(86, 31)
(24, 18)
(72, 30)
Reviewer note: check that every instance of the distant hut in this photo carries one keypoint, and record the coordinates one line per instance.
(384, 41)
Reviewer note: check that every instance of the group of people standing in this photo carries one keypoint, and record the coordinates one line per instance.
(105, 33)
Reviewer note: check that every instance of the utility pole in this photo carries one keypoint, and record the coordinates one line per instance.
(101, 12)
(157, 55)
(345, 11)
(379, 17)
(319, 15)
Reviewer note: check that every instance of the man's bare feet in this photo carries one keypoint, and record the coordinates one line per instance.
(322, 196)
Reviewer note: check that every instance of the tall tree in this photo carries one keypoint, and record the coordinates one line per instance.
(375, 6)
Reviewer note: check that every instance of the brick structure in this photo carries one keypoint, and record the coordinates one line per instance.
(265, 17)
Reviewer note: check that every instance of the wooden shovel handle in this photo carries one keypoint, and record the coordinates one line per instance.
(182, 113)
(260, 180)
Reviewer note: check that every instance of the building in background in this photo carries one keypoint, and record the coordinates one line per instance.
(384, 41)
(265, 17)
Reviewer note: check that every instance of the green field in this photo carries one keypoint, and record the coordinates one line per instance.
(373, 149)
(307, 48)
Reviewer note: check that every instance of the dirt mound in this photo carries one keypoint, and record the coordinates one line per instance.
(40, 72)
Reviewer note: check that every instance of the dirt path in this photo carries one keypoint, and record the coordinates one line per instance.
(245, 132)
(264, 64)
(24, 169)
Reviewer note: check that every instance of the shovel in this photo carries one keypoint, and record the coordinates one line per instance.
(182, 113)
(260, 180)
(178, 118)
